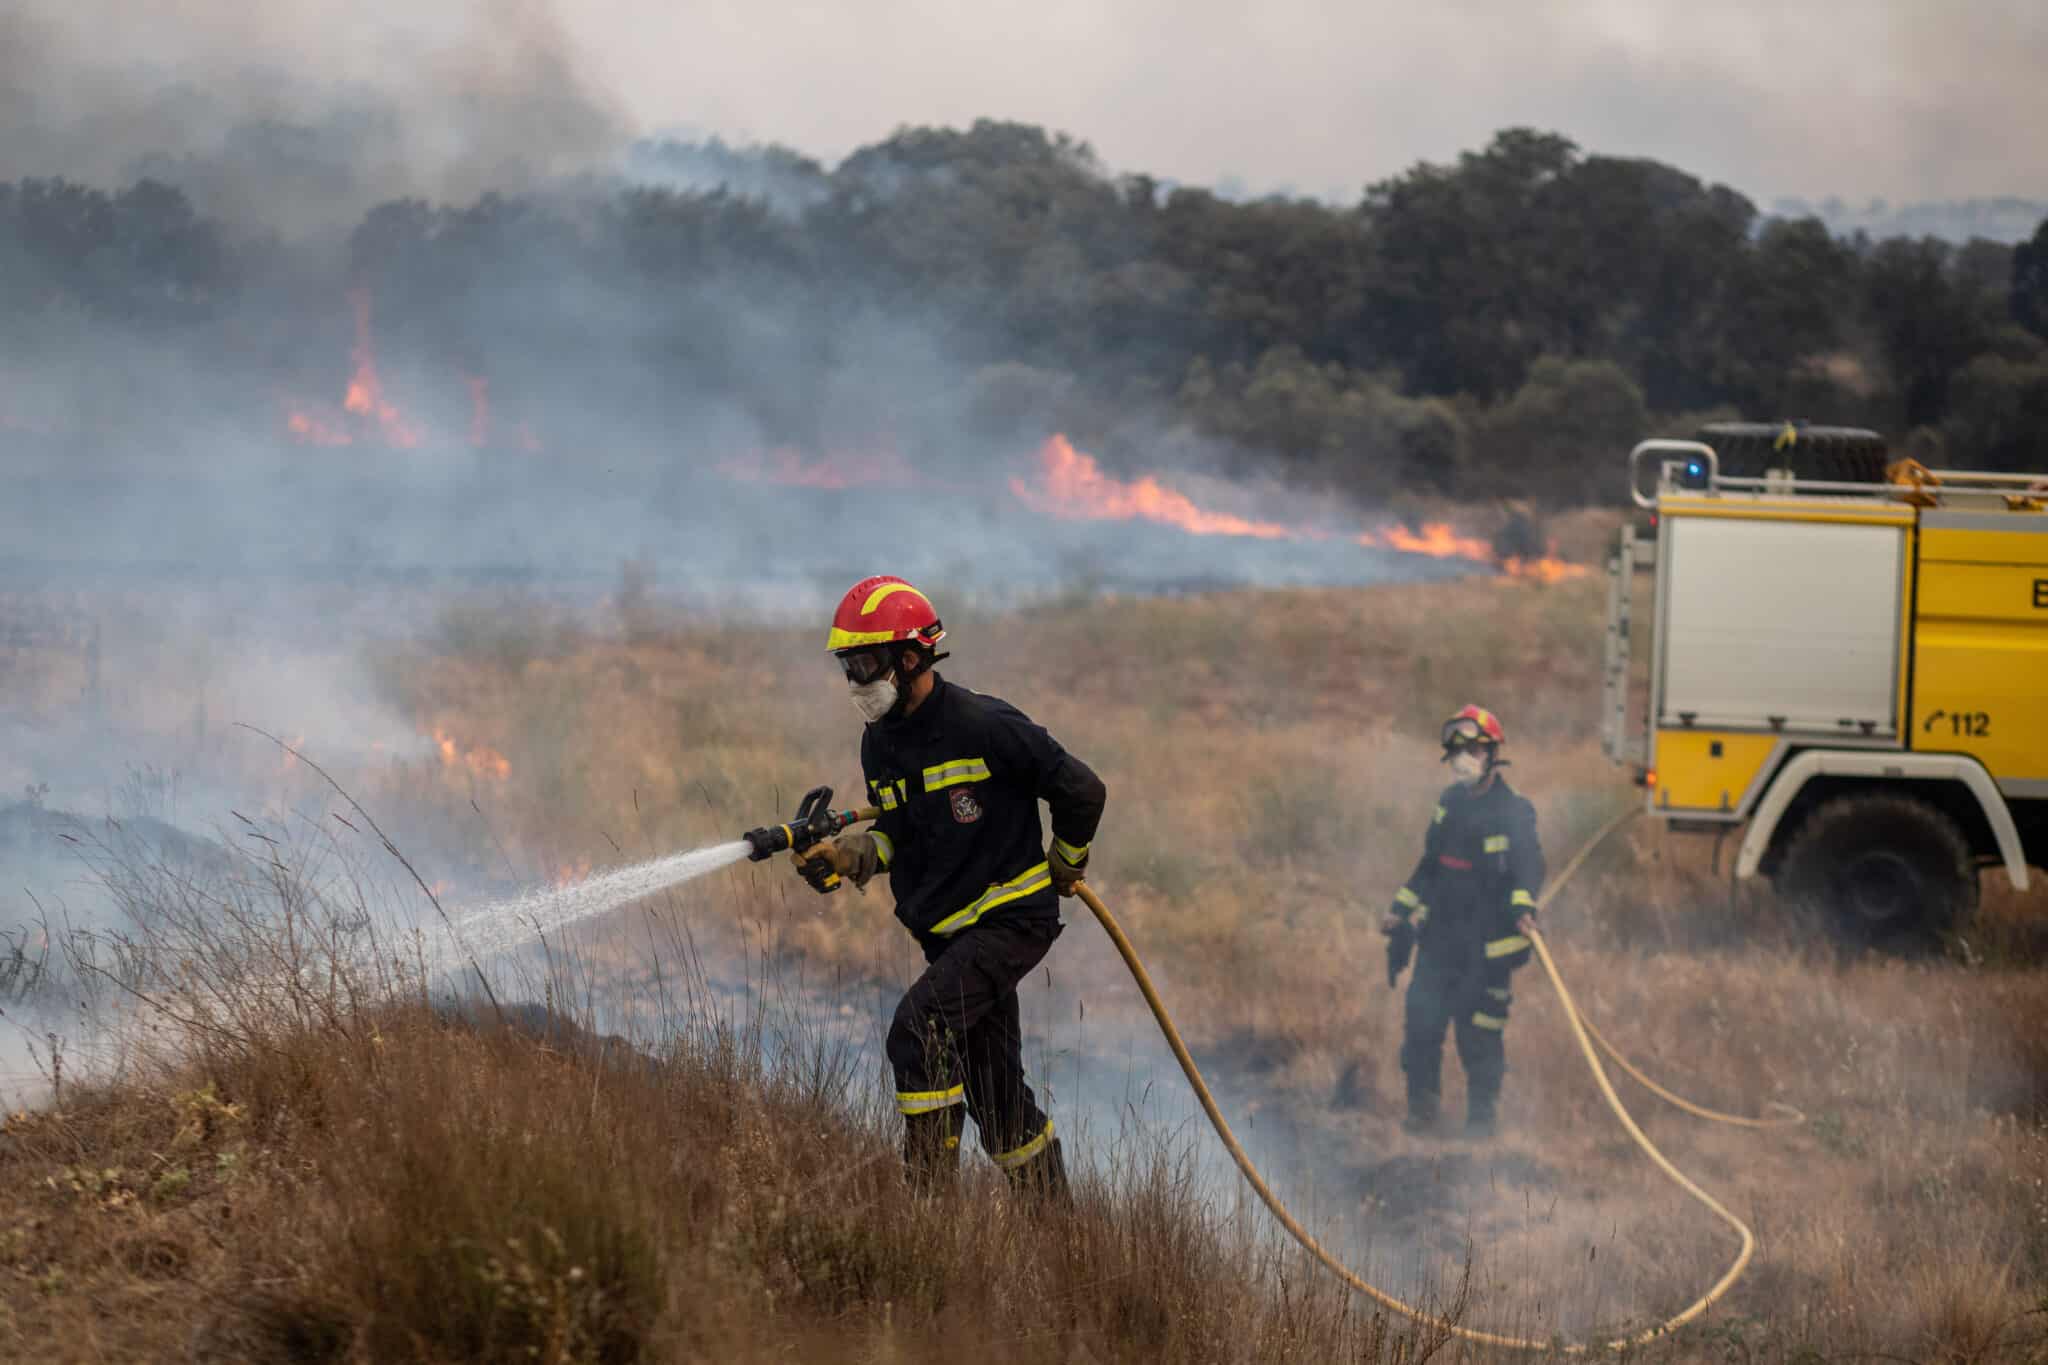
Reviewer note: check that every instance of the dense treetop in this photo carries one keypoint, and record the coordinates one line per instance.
(1506, 324)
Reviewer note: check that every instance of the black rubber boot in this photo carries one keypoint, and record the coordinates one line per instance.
(1422, 1106)
(1354, 1088)
(1482, 1099)
(931, 1150)
(1042, 1181)
(1479, 1114)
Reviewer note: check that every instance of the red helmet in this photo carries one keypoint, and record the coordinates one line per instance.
(1474, 724)
(882, 610)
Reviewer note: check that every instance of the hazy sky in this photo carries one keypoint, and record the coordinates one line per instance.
(1886, 97)
(1872, 97)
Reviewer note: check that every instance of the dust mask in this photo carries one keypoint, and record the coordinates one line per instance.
(1468, 767)
(874, 700)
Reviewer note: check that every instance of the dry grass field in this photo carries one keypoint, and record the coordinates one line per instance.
(392, 1189)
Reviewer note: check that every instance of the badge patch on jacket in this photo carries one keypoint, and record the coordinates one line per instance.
(966, 810)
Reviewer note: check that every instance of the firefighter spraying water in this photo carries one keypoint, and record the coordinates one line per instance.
(956, 778)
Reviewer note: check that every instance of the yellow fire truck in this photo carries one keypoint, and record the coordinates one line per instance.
(1848, 661)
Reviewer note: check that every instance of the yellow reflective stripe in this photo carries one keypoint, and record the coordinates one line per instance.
(1017, 1156)
(1408, 898)
(1438, 818)
(1002, 893)
(853, 639)
(954, 771)
(1073, 853)
(1496, 843)
(1522, 898)
(1501, 947)
(925, 1101)
(885, 847)
(887, 590)
(1492, 1021)
(885, 796)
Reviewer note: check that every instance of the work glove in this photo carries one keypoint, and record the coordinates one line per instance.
(1400, 947)
(852, 856)
(1066, 876)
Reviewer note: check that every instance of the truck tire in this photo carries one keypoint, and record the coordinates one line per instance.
(1744, 450)
(1885, 869)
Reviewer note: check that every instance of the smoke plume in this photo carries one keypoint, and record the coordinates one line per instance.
(299, 116)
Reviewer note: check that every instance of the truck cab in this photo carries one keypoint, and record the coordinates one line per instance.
(1847, 663)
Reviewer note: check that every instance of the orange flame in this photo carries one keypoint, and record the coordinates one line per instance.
(363, 402)
(1548, 569)
(568, 874)
(1074, 488)
(480, 761)
(786, 467)
(1438, 540)
(365, 391)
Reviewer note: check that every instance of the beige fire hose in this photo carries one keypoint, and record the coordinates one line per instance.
(1581, 1030)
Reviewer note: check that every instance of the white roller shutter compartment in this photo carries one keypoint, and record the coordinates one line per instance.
(1786, 619)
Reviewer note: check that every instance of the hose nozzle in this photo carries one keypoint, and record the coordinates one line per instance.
(814, 822)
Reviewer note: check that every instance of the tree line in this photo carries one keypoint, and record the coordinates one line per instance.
(1505, 324)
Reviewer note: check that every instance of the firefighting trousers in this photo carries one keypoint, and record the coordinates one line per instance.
(1471, 998)
(957, 1039)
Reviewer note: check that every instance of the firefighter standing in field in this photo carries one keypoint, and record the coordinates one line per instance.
(1467, 913)
(958, 777)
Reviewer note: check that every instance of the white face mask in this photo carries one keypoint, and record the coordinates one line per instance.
(1468, 767)
(874, 700)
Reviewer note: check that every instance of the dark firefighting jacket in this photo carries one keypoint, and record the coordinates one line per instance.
(958, 781)
(1480, 871)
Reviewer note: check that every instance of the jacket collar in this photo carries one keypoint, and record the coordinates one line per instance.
(921, 721)
(1496, 784)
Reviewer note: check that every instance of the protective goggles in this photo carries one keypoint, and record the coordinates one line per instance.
(862, 666)
(1463, 734)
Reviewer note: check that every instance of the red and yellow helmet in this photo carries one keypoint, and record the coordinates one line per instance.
(1473, 725)
(883, 610)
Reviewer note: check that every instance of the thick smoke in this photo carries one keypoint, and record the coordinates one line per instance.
(427, 310)
(299, 116)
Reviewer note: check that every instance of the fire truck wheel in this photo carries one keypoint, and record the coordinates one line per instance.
(1885, 868)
